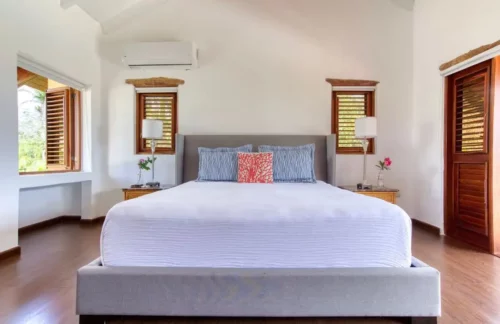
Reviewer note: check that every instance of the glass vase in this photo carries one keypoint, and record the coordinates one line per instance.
(380, 178)
(139, 177)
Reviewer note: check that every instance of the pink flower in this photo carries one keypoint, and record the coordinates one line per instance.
(141, 160)
(387, 162)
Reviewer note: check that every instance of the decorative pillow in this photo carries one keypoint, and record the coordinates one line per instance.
(219, 164)
(292, 163)
(255, 167)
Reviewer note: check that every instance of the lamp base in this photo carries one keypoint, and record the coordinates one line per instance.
(153, 184)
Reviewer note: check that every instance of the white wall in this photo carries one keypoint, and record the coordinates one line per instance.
(39, 204)
(262, 70)
(64, 41)
(443, 30)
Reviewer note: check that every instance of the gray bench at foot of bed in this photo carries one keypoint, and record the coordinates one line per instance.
(336, 292)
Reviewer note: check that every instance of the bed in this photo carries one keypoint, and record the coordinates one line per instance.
(254, 225)
(258, 250)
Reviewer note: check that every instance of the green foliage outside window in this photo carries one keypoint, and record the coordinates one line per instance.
(31, 130)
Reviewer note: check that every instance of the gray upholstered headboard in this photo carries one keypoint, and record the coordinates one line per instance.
(186, 156)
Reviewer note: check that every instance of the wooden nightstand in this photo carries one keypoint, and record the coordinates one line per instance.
(383, 193)
(130, 193)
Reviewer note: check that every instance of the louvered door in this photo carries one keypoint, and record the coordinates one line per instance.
(57, 129)
(161, 106)
(468, 153)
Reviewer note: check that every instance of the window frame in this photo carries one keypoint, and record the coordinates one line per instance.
(140, 143)
(369, 112)
(73, 131)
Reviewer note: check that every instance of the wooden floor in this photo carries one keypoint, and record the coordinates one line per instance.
(39, 287)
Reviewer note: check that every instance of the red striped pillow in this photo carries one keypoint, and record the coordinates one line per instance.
(255, 167)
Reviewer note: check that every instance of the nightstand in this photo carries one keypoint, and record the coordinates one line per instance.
(383, 193)
(130, 193)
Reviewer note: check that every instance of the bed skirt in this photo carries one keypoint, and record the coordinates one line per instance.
(331, 292)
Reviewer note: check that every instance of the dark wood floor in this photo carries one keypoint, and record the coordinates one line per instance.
(39, 287)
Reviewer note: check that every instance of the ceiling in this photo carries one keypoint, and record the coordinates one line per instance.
(32, 80)
(112, 14)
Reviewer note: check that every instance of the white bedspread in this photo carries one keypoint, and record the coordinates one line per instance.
(208, 224)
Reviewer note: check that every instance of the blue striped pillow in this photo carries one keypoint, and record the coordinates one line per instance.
(292, 163)
(220, 164)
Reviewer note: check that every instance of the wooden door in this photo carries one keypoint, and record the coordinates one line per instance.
(467, 155)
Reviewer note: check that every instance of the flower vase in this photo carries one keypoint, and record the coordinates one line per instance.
(380, 178)
(139, 178)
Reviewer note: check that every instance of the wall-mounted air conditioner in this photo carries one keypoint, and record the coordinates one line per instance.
(178, 55)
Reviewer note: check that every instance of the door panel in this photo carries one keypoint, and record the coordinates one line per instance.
(467, 155)
(470, 197)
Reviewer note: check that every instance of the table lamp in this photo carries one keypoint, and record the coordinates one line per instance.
(365, 128)
(152, 129)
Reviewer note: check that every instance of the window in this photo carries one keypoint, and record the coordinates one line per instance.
(49, 124)
(162, 106)
(346, 107)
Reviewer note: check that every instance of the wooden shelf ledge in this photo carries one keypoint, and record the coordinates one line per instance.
(351, 83)
(470, 54)
(158, 82)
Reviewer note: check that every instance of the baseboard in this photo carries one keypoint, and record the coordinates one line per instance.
(426, 227)
(96, 220)
(14, 252)
(49, 222)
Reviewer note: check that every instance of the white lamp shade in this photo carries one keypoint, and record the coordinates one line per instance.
(366, 127)
(152, 129)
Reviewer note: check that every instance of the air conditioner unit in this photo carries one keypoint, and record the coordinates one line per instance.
(177, 55)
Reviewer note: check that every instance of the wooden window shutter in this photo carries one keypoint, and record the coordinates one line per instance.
(58, 103)
(75, 130)
(347, 106)
(161, 106)
(471, 114)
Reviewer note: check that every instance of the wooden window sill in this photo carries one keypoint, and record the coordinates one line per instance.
(157, 152)
(46, 172)
(354, 153)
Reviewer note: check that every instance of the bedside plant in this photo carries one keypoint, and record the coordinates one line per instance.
(383, 165)
(143, 165)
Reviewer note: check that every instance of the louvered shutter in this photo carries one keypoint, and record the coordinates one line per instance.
(347, 107)
(161, 106)
(471, 111)
(57, 120)
(471, 196)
